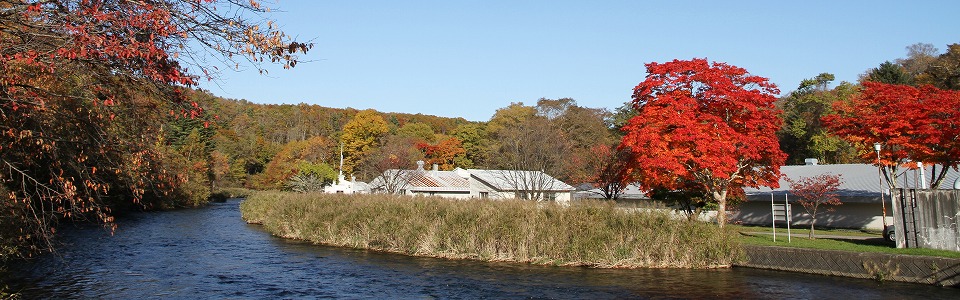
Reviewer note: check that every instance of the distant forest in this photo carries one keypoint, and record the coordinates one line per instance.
(266, 146)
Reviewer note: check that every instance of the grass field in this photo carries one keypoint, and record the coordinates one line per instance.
(804, 230)
(585, 233)
(874, 244)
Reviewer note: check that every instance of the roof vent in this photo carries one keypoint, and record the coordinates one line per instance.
(810, 161)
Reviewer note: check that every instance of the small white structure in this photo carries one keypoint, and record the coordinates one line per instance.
(344, 186)
(473, 183)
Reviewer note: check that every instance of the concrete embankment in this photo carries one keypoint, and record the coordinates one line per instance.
(880, 266)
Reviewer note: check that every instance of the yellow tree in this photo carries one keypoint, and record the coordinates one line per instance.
(361, 136)
(286, 162)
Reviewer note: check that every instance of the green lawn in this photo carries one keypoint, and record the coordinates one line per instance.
(871, 245)
(805, 230)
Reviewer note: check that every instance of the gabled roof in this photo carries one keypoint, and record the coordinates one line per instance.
(859, 182)
(435, 181)
(422, 180)
(512, 180)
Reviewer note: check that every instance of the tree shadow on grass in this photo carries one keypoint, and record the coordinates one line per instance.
(880, 242)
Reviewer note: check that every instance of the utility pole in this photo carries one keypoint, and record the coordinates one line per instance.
(883, 204)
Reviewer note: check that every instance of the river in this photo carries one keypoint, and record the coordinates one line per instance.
(211, 253)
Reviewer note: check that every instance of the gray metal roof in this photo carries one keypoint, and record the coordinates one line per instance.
(507, 180)
(456, 180)
(632, 191)
(859, 182)
(426, 180)
(436, 181)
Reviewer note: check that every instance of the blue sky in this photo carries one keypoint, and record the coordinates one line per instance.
(469, 58)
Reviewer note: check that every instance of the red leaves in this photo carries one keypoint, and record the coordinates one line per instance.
(128, 34)
(444, 153)
(608, 169)
(813, 191)
(94, 77)
(921, 124)
(709, 123)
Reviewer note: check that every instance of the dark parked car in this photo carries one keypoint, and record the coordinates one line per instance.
(889, 233)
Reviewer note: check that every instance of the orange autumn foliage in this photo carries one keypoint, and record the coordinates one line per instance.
(910, 123)
(712, 124)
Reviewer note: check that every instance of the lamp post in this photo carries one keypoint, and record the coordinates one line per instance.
(883, 205)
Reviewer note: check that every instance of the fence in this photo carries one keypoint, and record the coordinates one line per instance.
(927, 218)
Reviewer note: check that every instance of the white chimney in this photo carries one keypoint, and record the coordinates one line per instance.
(419, 165)
(810, 161)
(436, 167)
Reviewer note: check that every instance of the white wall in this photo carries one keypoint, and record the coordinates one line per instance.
(452, 195)
(847, 215)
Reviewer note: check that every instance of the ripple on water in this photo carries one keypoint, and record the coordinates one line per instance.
(212, 253)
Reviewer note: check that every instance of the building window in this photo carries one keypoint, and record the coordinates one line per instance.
(484, 195)
(551, 196)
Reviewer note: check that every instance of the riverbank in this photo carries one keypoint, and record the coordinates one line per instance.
(850, 243)
(938, 271)
(587, 233)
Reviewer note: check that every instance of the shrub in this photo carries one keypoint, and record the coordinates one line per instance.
(301, 183)
(587, 233)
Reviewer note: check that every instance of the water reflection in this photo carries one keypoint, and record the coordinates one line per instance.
(211, 253)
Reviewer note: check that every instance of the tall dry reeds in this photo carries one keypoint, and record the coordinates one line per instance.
(587, 233)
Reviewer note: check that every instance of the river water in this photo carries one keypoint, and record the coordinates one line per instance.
(211, 253)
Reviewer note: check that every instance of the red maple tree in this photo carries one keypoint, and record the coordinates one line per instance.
(920, 124)
(814, 192)
(712, 124)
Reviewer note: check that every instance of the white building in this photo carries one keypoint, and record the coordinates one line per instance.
(630, 192)
(473, 183)
(343, 186)
(860, 193)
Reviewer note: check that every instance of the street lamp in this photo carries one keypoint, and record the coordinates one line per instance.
(883, 205)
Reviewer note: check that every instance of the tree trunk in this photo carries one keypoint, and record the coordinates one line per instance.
(721, 198)
(812, 221)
